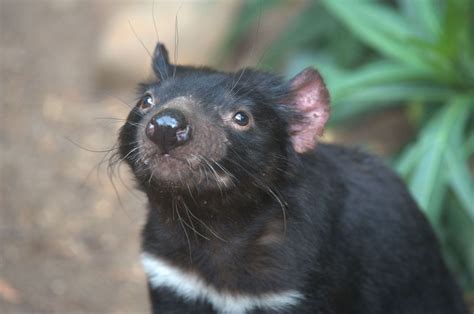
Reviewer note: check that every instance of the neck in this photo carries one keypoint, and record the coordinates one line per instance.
(205, 214)
(215, 239)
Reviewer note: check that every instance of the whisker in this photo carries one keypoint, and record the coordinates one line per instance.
(158, 40)
(176, 40)
(154, 20)
(96, 167)
(283, 208)
(215, 174)
(185, 232)
(206, 226)
(252, 51)
(226, 171)
(117, 194)
(110, 118)
(192, 227)
(271, 190)
(90, 150)
(129, 106)
(141, 41)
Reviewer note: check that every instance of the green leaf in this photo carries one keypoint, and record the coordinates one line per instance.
(427, 178)
(456, 41)
(457, 160)
(424, 13)
(460, 179)
(375, 73)
(313, 28)
(458, 244)
(408, 160)
(380, 27)
(379, 97)
(310, 25)
(455, 33)
(249, 13)
(438, 200)
(469, 145)
(398, 92)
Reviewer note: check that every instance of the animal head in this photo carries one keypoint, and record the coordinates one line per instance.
(202, 129)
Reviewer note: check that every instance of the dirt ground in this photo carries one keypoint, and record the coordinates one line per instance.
(69, 242)
(67, 246)
(69, 236)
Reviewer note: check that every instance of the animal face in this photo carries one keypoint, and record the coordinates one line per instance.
(197, 128)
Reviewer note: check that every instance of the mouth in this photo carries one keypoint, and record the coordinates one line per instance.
(189, 171)
(168, 167)
(162, 161)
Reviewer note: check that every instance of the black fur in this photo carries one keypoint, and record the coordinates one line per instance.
(334, 223)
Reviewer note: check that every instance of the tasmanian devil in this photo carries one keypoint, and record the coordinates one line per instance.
(249, 214)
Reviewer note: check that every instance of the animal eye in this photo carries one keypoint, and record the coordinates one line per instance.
(146, 102)
(241, 118)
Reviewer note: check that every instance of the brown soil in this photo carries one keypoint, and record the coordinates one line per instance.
(66, 243)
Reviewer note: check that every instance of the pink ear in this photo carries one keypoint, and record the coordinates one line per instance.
(311, 99)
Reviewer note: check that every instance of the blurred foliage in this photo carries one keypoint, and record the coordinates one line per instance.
(415, 54)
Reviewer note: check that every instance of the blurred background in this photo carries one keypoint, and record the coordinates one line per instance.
(400, 73)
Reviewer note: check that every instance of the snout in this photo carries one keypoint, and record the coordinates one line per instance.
(168, 129)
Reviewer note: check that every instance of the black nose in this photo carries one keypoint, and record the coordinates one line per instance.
(168, 129)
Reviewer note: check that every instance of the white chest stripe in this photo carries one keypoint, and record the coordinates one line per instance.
(191, 287)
